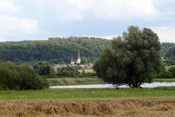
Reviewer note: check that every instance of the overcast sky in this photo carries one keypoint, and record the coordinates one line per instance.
(41, 19)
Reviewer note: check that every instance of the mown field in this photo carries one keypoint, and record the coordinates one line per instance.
(89, 102)
(127, 107)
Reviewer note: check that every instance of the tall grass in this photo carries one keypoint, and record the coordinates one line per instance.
(87, 93)
(164, 80)
(84, 81)
(74, 81)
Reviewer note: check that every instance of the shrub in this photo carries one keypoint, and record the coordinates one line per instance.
(68, 71)
(20, 77)
(31, 80)
(172, 70)
(9, 76)
(43, 68)
(164, 74)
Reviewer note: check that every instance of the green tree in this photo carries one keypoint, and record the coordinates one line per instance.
(9, 76)
(43, 68)
(31, 80)
(20, 77)
(68, 71)
(133, 58)
(172, 70)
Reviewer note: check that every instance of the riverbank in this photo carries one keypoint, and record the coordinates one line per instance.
(74, 81)
(136, 107)
(85, 81)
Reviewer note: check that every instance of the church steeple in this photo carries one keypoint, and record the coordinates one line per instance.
(78, 58)
(78, 55)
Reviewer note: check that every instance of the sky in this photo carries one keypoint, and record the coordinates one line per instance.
(41, 19)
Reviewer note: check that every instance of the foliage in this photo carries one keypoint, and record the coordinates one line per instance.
(54, 50)
(10, 76)
(43, 68)
(164, 74)
(31, 80)
(171, 69)
(166, 47)
(68, 71)
(170, 56)
(133, 59)
(167, 74)
(88, 74)
(20, 77)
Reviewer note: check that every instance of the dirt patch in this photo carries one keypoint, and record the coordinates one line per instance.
(136, 107)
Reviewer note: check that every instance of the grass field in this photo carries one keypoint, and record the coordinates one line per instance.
(154, 102)
(87, 70)
(127, 107)
(87, 93)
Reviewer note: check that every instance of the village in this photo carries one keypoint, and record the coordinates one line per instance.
(74, 62)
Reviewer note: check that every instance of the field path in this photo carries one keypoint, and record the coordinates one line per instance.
(134, 107)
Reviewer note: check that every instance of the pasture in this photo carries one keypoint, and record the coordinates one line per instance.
(87, 93)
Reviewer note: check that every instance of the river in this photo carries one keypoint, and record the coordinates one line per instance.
(145, 85)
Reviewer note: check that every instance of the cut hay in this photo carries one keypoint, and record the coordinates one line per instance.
(136, 107)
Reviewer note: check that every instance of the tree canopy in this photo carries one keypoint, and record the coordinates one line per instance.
(44, 68)
(68, 71)
(20, 77)
(58, 50)
(132, 59)
(53, 50)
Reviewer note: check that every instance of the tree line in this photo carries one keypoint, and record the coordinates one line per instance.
(62, 50)
(53, 50)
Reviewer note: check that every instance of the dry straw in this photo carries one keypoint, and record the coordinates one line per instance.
(136, 107)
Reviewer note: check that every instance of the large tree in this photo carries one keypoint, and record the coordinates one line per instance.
(132, 59)
(44, 68)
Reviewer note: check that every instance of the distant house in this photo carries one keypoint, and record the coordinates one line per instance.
(58, 66)
(86, 66)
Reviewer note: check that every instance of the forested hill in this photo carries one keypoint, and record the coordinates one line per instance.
(166, 48)
(58, 50)
(53, 50)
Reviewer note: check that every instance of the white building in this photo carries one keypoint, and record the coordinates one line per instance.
(76, 61)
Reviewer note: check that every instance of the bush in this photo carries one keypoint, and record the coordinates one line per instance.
(88, 74)
(164, 74)
(172, 70)
(20, 77)
(68, 71)
(43, 68)
(31, 80)
(9, 75)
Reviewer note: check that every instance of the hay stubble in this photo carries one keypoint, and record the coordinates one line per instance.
(162, 106)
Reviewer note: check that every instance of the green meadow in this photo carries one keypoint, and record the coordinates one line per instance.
(87, 93)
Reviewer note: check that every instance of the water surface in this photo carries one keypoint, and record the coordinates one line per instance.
(145, 85)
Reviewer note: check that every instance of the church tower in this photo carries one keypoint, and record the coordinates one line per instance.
(78, 58)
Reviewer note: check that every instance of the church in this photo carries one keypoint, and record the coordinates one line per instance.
(76, 61)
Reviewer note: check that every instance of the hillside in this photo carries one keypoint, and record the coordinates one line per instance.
(58, 50)
(166, 47)
(53, 50)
